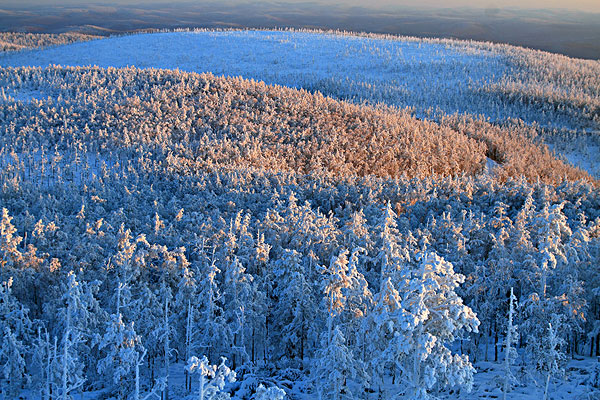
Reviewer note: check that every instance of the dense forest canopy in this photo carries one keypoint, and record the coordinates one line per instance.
(153, 217)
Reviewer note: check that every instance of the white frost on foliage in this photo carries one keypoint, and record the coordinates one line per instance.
(271, 393)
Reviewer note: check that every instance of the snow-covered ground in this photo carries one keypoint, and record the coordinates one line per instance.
(575, 385)
(23, 95)
(583, 151)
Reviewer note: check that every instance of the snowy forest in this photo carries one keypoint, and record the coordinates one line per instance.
(175, 235)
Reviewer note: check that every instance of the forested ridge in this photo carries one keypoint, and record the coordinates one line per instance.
(153, 217)
(15, 41)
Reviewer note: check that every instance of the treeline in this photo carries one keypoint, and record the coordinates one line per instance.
(13, 41)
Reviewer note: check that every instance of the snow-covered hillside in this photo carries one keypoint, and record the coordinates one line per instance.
(153, 221)
(498, 82)
(425, 74)
(405, 73)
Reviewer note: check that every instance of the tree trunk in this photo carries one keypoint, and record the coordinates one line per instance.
(546, 388)
(496, 346)
(253, 342)
(487, 341)
(201, 390)
(302, 344)
(167, 350)
(137, 381)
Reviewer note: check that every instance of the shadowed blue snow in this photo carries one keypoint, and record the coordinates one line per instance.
(402, 73)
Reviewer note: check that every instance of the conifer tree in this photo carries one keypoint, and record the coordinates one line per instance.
(9, 242)
(123, 351)
(293, 310)
(74, 316)
(15, 329)
(510, 353)
(432, 316)
(212, 328)
(334, 364)
(271, 393)
(238, 293)
(549, 354)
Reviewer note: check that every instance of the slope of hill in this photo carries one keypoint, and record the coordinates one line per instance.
(202, 121)
(151, 217)
(556, 95)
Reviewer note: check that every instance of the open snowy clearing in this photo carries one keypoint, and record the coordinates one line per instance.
(403, 73)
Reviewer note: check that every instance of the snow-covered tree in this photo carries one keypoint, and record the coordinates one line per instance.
(41, 353)
(379, 329)
(335, 284)
(212, 329)
(431, 316)
(122, 350)
(270, 393)
(147, 314)
(124, 267)
(293, 311)
(389, 257)
(552, 229)
(510, 353)
(15, 328)
(333, 365)
(211, 379)
(238, 293)
(74, 316)
(359, 300)
(164, 333)
(9, 241)
(185, 314)
(548, 353)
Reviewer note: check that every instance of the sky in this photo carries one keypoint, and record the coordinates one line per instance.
(580, 5)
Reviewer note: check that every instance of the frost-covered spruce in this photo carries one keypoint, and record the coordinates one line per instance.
(293, 312)
(270, 393)
(122, 350)
(211, 328)
(333, 366)
(510, 353)
(378, 329)
(9, 241)
(211, 379)
(237, 296)
(335, 285)
(74, 318)
(185, 315)
(15, 328)
(550, 356)
(415, 325)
